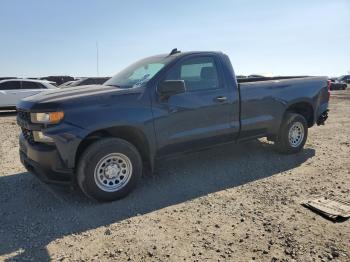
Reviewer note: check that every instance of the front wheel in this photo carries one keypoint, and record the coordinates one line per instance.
(109, 169)
(292, 135)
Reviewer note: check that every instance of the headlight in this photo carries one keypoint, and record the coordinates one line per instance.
(47, 118)
(40, 137)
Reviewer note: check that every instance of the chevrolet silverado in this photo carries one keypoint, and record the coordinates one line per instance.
(103, 137)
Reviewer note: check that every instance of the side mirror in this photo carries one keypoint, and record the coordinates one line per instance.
(171, 87)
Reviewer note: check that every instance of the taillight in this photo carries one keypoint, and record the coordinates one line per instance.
(329, 82)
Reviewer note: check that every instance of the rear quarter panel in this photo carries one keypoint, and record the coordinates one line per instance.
(263, 104)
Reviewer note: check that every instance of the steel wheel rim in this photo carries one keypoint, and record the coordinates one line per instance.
(296, 134)
(113, 172)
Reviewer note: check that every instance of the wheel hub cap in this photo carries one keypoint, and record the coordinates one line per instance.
(113, 172)
(296, 134)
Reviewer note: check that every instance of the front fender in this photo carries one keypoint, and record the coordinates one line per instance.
(67, 139)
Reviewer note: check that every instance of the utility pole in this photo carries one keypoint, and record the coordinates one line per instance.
(97, 58)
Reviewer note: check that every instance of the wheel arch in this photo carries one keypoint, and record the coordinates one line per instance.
(303, 108)
(132, 134)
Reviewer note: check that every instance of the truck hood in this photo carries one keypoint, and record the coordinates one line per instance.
(57, 98)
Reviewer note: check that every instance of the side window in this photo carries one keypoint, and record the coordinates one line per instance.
(199, 73)
(30, 85)
(11, 85)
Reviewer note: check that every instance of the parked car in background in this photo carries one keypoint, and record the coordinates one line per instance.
(13, 90)
(252, 76)
(241, 76)
(87, 81)
(338, 85)
(344, 78)
(66, 84)
(51, 83)
(58, 79)
(7, 77)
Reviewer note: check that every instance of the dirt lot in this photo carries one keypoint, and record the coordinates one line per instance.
(232, 203)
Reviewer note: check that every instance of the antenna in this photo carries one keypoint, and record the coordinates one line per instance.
(97, 58)
(174, 51)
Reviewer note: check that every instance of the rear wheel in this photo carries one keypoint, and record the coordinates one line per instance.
(292, 135)
(109, 169)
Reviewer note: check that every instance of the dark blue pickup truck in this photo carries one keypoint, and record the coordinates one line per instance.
(102, 137)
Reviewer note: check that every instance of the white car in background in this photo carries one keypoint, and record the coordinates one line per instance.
(13, 90)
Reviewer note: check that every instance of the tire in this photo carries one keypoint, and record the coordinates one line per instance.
(109, 169)
(292, 134)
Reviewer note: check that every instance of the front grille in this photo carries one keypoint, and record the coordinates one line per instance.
(28, 135)
(25, 116)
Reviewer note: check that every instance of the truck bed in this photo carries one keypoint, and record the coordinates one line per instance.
(259, 79)
(263, 100)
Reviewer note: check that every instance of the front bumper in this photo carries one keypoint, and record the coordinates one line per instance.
(45, 162)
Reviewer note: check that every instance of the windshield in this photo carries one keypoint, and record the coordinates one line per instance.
(139, 73)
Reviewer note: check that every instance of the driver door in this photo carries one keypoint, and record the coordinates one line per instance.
(199, 117)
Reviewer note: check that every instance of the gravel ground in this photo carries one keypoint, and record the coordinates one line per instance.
(231, 203)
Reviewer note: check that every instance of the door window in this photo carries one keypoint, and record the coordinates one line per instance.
(10, 85)
(199, 73)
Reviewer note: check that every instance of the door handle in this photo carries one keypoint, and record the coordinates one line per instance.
(220, 99)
